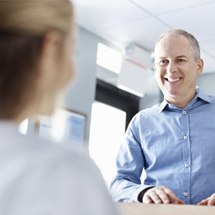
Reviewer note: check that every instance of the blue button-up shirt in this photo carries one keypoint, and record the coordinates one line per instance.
(172, 147)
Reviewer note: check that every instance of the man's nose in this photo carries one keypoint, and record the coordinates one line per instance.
(171, 68)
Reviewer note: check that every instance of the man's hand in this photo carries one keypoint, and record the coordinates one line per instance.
(160, 195)
(209, 201)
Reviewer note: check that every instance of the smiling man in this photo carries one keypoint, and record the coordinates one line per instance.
(172, 142)
(177, 66)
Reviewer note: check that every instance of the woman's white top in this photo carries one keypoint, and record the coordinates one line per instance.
(42, 178)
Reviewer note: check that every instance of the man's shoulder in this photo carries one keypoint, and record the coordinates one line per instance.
(149, 112)
(212, 98)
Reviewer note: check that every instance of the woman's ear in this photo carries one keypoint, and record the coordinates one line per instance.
(49, 54)
(52, 41)
(51, 44)
(48, 69)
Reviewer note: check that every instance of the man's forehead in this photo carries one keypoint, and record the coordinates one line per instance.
(172, 46)
(172, 40)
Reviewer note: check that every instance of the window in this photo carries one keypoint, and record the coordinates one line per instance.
(106, 131)
(111, 113)
(23, 127)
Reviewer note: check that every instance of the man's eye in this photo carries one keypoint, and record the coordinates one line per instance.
(181, 60)
(163, 62)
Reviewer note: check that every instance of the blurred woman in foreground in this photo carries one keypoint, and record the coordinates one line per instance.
(36, 41)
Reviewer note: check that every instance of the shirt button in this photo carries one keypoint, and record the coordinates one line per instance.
(186, 165)
(186, 194)
(185, 137)
(184, 112)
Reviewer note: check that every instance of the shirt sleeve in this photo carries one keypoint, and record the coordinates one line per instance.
(126, 186)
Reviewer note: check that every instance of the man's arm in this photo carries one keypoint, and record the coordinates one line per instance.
(129, 165)
(124, 190)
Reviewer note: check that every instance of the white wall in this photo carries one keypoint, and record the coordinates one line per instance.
(80, 95)
(206, 82)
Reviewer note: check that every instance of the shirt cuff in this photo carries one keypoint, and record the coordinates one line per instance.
(138, 191)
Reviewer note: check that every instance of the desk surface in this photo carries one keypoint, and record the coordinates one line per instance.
(143, 209)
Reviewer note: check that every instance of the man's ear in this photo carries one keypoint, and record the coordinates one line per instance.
(200, 66)
(154, 66)
(154, 69)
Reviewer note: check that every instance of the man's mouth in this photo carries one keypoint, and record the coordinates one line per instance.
(172, 80)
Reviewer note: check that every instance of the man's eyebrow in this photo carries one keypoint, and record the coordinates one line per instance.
(181, 56)
(162, 57)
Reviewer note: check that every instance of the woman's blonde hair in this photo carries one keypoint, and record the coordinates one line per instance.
(36, 16)
(23, 27)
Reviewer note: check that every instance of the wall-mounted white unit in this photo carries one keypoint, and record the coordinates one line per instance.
(138, 56)
(136, 79)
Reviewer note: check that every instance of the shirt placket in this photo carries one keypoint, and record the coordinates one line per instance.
(186, 157)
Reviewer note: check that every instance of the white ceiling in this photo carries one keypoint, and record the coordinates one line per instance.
(142, 21)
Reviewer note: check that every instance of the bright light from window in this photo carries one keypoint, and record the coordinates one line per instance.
(23, 127)
(109, 58)
(106, 132)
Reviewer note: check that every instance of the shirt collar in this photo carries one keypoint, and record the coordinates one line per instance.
(163, 104)
(203, 96)
(199, 94)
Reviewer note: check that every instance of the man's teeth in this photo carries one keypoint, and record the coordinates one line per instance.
(172, 79)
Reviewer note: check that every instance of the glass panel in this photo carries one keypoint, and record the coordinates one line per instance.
(64, 125)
